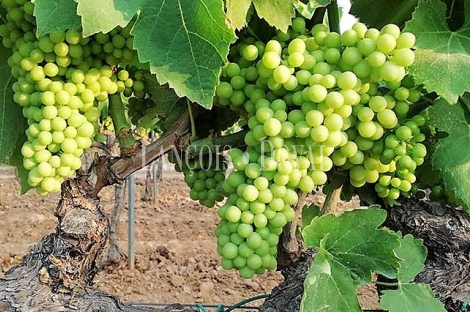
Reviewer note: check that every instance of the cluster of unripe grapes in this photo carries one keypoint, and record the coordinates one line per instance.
(204, 174)
(258, 207)
(60, 79)
(439, 193)
(316, 100)
(436, 191)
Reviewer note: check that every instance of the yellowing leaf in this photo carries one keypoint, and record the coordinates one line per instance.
(237, 11)
(277, 13)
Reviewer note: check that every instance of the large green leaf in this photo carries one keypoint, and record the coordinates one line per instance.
(442, 55)
(355, 241)
(56, 14)
(105, 15)
(186, 43)
(308, 213)
(307, 9)
(452, 153)
(237, 11)
(412, 254)
(277, 13)
(164, 97)
(11, 117)
(411, 298)
(318, 3)
(12, 123)
(329, 287)
(377, 13)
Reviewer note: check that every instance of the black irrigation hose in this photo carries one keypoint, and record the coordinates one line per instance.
(189, 305)
(202, 308)
(220, 307)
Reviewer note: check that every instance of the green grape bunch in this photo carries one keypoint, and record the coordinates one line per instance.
(61, 79)
(314, 100)
(345, 97)
(203, 174)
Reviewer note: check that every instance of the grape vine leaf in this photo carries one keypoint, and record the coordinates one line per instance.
(277, 13)
(433, 176)
(452, 153)
(55, 14)
(378, 13)
(12, 123)
(237, 11)
(105, 15)
(162, 95)
(442, 55)
(167, 105)
(329, 287)
(355, 241)
(308, 213)
(186, 43)
(307, 9)
(319, 3)
(412, 254)
(10, 112)
(6, 106)
(411, 298)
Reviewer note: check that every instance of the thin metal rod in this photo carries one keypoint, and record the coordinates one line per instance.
(131, 220)
(155, 183)
(155, 175)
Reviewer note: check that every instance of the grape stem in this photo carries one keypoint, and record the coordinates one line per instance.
(387, 284)
(215, 144)
(252, 32)
(121, 126)
(333, 16)
(333, 195)
(191, 119)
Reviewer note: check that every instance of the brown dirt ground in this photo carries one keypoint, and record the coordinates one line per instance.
(176, 259)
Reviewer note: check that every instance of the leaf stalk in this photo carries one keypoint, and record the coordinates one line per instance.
(216, 144)
(390, 284)
(333, 16)
(191, 119)
(121, 126)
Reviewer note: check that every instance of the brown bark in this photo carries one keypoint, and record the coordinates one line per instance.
(58, 273)
(290, 246)
(287, 296)
(446, 234)
(123, 167)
